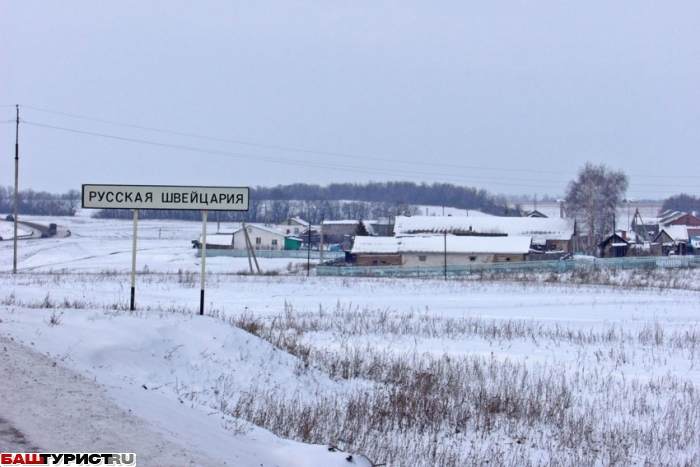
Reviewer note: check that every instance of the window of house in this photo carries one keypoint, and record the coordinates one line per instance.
(258, 241)
(472, 258)
(250, 230)
(296, 230)
(422, 257)
(274, 242)
(507, 259)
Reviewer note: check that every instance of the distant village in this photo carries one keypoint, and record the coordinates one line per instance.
(434, 240)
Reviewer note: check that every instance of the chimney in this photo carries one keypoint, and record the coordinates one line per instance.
(624, 235)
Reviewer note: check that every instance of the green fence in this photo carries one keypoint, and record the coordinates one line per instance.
(528, 266)
(291, 254)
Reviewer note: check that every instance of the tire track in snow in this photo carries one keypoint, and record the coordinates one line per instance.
(43, 404)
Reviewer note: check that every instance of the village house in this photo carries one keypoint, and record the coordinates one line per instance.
(671, 240)
(652, 227)
(335, 232)
(383, 227)
(261, 238)
(535, 213)
(436, 250)
(292, 226)
(547, 234)
(669, 218)
(310, 236)
(615, 246)
(690, 221)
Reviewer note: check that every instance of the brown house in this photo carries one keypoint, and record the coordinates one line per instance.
(679, 218)
(672, 240)
(614, 247)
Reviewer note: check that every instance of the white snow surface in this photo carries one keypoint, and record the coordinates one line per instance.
(7, 230)
(540, 229)
(78, 386)
(438, 244)
(93, 378)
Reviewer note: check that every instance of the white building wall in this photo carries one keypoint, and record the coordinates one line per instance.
(438, 259)
(261, 239)
(457, 259)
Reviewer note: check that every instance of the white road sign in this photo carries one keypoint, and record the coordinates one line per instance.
(195, 198)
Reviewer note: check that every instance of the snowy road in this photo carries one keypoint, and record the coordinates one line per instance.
(44, 406)
(13, 440)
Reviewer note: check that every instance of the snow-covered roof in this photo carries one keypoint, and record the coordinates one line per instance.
(376, 245)
(261, 227)
(293, 221)
(344, 222)
(670, 216)
(679, 233)
(218, 239)
(540, 229)
(436, 244)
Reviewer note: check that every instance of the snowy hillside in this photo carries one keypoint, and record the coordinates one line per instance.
(552, 370)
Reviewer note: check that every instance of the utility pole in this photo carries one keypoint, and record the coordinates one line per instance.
(445, 234)
(14, 260)
(308, 254)
(320, 248)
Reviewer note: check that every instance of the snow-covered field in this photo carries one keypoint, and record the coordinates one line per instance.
(516, 371)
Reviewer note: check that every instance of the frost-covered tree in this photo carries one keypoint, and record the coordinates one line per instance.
(592, 199)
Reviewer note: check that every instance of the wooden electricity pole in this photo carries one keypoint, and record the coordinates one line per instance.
(14, 260)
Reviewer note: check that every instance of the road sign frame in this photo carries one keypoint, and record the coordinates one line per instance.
(165, 197)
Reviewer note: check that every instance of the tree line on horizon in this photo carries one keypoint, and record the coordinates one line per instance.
(312, 202)
(39, 203)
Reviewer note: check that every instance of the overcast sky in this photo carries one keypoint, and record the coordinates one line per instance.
(512, 97)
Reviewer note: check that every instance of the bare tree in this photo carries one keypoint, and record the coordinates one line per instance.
(592, 198)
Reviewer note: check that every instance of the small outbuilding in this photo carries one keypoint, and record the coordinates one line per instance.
(215, 242)
(614, 247)
(671, 240)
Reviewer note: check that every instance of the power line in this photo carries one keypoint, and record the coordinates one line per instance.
(547, 184)
(392, 171)
(286, 148)
(327, 153)
(421, 175)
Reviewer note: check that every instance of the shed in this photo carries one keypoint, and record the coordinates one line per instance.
(671, 240)
(215, 242)
(292, 243)
(613, 247)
